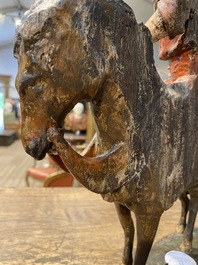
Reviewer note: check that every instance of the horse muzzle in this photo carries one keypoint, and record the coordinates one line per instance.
(37, 147)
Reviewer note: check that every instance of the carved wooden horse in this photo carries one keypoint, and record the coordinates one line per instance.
(147, 151)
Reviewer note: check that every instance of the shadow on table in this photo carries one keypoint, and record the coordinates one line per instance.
(168, 243)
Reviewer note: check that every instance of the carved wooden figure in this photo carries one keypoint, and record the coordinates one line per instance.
(183, 56)
(146, 152)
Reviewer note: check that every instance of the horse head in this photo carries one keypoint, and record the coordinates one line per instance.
(52, 77)
(65, 56)
(61, 62)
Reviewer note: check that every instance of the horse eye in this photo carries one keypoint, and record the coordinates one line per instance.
(38, 89)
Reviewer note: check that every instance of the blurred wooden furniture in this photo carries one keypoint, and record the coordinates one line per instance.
(75, 139)
(16, 127)
(41, 173)
(85, 124)
(59, 179)
(7, 137)
(11, 123)
(5, 79)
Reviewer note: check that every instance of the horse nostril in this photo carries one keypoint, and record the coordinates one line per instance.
(36, 147)
(32, 147)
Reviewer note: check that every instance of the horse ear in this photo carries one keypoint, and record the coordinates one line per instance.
(101, 174)
(156, 27)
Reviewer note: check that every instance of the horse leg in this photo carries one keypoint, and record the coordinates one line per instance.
(126, 221)
(184, 210)
(186, 245)
(147, 224)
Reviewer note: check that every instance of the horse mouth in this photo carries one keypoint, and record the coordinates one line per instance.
(38, 153)
(52, 149)
(39, 147)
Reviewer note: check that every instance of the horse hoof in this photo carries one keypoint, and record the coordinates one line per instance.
(186, 247)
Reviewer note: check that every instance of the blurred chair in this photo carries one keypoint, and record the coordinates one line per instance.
(59, 179)
(41, 173)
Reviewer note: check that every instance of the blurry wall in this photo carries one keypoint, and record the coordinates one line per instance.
(8, 66)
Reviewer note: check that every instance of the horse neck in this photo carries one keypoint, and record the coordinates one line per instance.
(119, 107)
(112, 116)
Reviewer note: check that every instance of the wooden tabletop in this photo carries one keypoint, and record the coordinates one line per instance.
(67, 226)
(58, 226)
